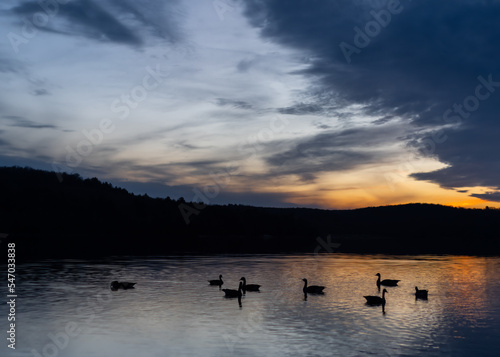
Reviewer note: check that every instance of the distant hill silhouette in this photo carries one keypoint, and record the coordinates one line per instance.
(88, 218)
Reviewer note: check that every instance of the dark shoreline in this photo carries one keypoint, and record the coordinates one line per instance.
(79, 217)
(34, 248)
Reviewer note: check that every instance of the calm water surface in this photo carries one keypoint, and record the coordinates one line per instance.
(65, 308)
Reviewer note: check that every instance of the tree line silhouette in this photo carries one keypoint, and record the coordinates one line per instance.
(77, 217)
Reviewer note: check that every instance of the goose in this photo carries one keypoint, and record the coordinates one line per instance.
(313, 289)
(231, 293)
(420, 294)
(115, 285)
(217, 282)
(376, 300)
(249, 287)
(386, 282)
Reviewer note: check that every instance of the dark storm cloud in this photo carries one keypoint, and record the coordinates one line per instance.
(419, 60)
(472, 154)
(115, 21)
(87, 19)
(488, 196)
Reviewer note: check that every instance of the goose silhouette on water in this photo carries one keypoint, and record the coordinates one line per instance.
(420, 294)
(217, 282)
(376, 300)
(386, 282)
(249, 287)
(115, 285)
(313, 289)
(231, 293)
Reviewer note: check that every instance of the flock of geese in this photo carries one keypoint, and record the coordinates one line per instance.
(316, 289)
(243, 287)
(377, 300)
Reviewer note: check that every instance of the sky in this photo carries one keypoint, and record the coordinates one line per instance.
(314, 103)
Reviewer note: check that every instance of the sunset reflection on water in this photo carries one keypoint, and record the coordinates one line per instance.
(173, 310)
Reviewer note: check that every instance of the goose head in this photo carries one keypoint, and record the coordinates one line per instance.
(378, 274)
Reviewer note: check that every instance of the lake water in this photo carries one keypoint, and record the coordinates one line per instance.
(65, 308)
